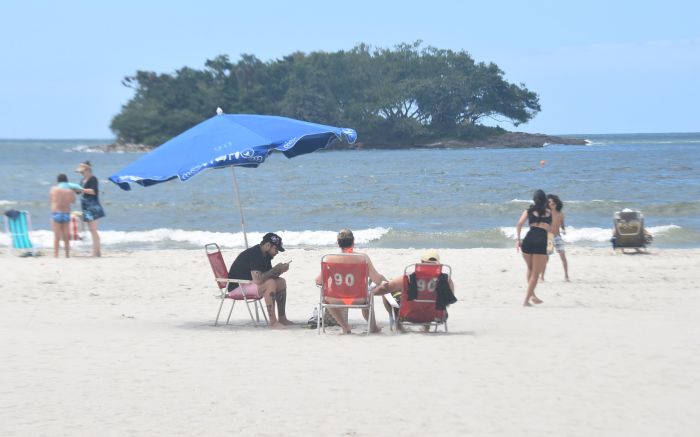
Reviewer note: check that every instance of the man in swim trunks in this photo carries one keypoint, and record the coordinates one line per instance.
(255, 264)
(558, 227)
(61, 199)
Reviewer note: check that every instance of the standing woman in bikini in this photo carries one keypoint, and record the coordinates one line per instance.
(534, 246)
(90, 203)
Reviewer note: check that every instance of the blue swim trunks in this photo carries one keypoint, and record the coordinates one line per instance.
(60, 217)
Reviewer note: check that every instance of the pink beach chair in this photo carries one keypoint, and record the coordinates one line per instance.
(218, 266)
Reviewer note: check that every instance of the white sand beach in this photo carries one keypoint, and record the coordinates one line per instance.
(125, 345)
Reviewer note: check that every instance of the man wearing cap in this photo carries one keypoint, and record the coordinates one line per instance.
(255, 264)
(346, 242)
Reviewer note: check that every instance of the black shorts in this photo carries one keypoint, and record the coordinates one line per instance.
(535, 242)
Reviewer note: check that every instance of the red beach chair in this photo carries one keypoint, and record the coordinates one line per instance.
(421, 310)
(77, 226)
(345, 285)
(218, 266)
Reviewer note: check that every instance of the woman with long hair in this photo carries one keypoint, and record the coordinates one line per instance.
(534, 245)
(90, 203)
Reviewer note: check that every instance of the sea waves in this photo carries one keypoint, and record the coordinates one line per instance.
(503, 237)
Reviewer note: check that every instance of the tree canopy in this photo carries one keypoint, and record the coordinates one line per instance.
(406, 95)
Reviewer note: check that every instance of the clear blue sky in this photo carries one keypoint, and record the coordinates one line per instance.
(598, 66)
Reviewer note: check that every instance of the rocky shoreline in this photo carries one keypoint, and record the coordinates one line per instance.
(506, 140)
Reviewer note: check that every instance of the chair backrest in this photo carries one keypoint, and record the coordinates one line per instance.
(422, 308)
(345, 277)
(218, 266)
(629, 229)
(18, 225)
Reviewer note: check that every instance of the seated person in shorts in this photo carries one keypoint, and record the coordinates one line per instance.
(346, 242)
(255, 264)
(61, 200)
(391, 291)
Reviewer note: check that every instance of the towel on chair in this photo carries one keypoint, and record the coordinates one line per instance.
(445, 296)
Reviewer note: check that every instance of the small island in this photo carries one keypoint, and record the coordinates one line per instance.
(409, 96)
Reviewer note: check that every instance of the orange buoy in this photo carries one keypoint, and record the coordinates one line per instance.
(542, 163)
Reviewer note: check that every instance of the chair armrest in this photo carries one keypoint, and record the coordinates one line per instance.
(229, 280)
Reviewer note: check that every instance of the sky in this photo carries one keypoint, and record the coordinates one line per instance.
(597, 66)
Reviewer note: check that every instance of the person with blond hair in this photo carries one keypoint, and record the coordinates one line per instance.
(90, 204)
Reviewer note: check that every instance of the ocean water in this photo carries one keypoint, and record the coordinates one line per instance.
(399, 198)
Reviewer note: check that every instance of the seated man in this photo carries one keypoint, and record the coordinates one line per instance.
(391, 291)
(255, 264)
(346, 242)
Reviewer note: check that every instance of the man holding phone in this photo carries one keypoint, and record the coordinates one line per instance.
(255, 264)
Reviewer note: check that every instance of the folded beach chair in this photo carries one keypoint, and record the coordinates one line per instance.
(345, 285)
(218, 266)
(419, 297)
(18, 224)
(628, 231)
(77, 226)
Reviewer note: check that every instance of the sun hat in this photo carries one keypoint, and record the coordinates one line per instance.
(82, 166)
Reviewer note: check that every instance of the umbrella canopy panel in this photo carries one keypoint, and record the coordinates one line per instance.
(243, 140)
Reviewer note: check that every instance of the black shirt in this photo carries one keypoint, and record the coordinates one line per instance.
(251, 259)
(91, 183)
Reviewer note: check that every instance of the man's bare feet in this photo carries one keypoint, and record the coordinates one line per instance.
(526, 304)
(277, 325)
(285, 321)
(375, 329)
(536, 300)
(567, 279)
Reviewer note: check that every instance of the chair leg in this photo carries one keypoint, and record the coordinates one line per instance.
(262, 310)
(319, 316)
(247, 305)
(371, 315)
(233, 303)
(218, 313)
(257, 316)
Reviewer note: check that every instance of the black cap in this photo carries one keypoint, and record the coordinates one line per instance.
(274, 239)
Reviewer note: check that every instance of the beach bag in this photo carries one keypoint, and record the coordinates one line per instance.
(328, 319)
(550, 243)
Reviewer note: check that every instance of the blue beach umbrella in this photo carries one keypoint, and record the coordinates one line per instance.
(229, 140)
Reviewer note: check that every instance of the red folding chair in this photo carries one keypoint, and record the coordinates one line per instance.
(345, 285)
(218, 266)
(421, 310)
(77, 226)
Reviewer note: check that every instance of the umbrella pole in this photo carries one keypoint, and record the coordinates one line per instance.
(240, 208)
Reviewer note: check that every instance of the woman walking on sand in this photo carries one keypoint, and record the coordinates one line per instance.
(90, 203)
(534, 245)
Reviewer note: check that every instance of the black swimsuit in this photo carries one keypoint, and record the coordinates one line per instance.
(535, 242)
